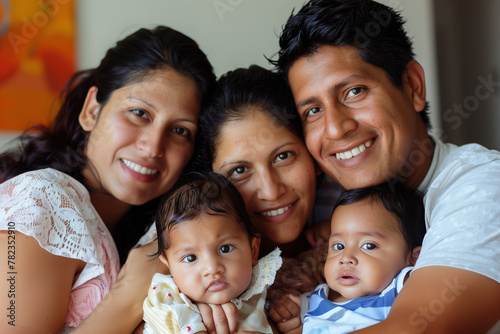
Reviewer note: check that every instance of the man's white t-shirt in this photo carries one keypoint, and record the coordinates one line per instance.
(462, 210)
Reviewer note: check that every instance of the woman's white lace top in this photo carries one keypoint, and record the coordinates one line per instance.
(55, 209)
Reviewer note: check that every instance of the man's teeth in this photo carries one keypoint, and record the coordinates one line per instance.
(273, 213)
(138, 168)
(354, 152)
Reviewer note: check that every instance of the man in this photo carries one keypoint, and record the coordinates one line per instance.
(361, 98)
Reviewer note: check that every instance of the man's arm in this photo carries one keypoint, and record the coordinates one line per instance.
(443, 300)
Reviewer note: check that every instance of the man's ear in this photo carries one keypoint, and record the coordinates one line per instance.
(414, 255)
(164, 260)
(90, 111)
(255, 245)
(415, 78)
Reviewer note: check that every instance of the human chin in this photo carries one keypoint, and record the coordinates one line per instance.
(284, 234)
(134, 197)
(353, 293)
(358, 178)
(145, 193)
(218, 298)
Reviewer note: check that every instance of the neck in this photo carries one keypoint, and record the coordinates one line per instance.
(336, 297)
(419, 162)
(109, 208)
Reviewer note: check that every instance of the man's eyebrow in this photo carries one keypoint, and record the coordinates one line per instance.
(331, 90)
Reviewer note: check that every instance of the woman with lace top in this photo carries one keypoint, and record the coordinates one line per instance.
(78, 195)
(208, 242)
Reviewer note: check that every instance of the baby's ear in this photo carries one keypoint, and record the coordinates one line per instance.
(414, 255)
(164, 260)
(255, 245)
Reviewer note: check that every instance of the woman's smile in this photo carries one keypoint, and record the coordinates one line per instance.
(138, 168)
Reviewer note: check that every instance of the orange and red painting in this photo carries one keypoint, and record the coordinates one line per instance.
(37, 57)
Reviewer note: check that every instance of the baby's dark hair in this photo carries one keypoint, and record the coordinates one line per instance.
(407, 204)
(197, 193)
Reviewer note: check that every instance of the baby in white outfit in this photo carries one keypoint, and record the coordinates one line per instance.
(207, 241)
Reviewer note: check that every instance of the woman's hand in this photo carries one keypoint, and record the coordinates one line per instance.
(320, 231)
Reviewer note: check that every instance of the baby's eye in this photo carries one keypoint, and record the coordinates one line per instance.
(338, 246)
(369, 246)
(189, 258)
(226, 249)
(139, 112)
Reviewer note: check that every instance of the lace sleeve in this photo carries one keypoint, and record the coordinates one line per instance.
(263, 274)
(55, 209)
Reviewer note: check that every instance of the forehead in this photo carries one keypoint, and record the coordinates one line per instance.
(256, 132)
(327, 57)
(164, 82)
(330, 65)
(205, 227)
(163, 89)
(158, 76)
(365, 215)
(253, 117)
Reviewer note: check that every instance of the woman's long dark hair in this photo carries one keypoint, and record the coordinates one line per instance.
(61, 145)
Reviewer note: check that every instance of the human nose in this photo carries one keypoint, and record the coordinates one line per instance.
(212, 266)
(152, 142)
(348, 258)
(269, 185)
(338, 122)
